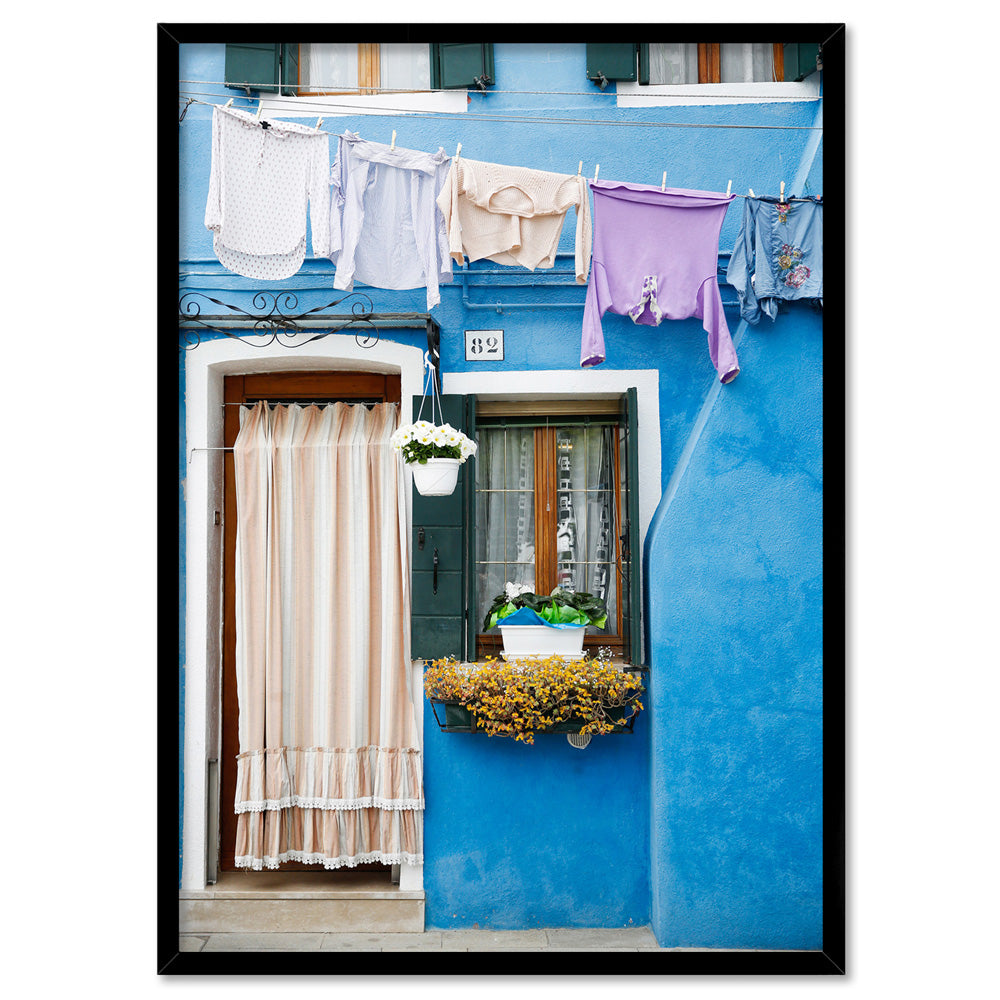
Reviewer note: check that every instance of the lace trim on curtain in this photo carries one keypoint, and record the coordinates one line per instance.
(332, 837)
(306, 858)
(329, 778)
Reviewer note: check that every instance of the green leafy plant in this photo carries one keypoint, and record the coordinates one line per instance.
(522, 697)
(561, 607)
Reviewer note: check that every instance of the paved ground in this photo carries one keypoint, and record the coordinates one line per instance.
(555, 939)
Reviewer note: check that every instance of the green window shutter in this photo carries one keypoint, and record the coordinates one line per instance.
(438, 620)
(253, 65)
(801, 59)
(290, 70)
(631, 550)
(612, 61)
(644, 62)
(456, 64)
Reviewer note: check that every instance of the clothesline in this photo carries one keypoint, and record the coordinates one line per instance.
(330, 132)
(467, 116)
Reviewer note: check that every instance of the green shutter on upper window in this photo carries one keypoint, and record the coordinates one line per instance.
(612, 61)
(801, 60)
(456, 65)
(252, 65)
(438, 595)
(290, 70)
(631, 559)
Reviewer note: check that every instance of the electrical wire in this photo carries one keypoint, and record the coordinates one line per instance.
(467, 116)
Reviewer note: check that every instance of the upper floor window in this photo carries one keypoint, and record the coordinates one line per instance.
(325, 68)
(686, 63)
(314, 69)
(728, 62)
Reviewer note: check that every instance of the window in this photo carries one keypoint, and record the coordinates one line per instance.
(685, 63)
(344, 66)
(551, 498)
(311, 69)
(737, 62)
(549, 510)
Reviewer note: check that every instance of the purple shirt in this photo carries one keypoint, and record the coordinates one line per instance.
(656, 256)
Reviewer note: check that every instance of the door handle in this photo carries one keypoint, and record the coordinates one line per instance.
(436, 560)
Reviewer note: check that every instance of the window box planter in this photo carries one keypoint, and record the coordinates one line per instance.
(542, 640)
(453, 717)
(523, 697)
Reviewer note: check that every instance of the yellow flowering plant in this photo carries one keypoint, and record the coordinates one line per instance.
(522, 697)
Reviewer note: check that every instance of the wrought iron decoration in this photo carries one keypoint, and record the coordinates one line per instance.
(276, 318)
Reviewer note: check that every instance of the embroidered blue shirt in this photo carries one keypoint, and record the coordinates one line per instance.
(778, 254)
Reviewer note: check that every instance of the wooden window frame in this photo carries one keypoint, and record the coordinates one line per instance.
(546, 521)
(710, 63)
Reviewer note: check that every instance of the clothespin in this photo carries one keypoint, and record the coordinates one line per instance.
(597, 170)
(319, 121)
(226, 105)
(458, 152)
(752, 195)
(729, 188)
(663, 183)
(579, 169)
(190, 101)
(393, 144)
(782, 195)
(260, 108)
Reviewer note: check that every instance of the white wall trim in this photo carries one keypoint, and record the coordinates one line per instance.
(205, 367)
(639, 95)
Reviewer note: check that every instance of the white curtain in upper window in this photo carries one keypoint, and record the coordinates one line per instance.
(673, 62)
(329, 66)
(746, 62)
(405, 67)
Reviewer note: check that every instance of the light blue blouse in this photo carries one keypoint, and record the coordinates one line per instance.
(778, 255)
(385, 228)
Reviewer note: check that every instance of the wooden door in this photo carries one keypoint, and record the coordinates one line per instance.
(284, 387)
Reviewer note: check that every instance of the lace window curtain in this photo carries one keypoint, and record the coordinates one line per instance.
(329, 770)
(673, 62)
(505, 472)
(746, 62)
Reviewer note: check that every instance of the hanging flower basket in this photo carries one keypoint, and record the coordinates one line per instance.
(436, 477)
(432, 452)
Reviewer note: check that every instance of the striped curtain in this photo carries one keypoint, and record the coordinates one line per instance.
(329, 771)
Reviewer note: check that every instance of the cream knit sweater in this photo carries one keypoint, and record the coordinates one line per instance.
(513, 215)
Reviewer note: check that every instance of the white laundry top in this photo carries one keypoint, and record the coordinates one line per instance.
(513, 215)
(261, 182)
(385, 229)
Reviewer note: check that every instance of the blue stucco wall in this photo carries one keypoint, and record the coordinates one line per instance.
(705, 823)
(734, 570)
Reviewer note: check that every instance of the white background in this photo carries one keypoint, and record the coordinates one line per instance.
(80, 498)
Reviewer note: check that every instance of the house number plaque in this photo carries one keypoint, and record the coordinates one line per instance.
(484, 345)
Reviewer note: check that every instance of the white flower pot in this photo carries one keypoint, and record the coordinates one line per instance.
(540, 640)
(437, 477)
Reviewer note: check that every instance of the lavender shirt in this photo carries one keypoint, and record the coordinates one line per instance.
(656, 256)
